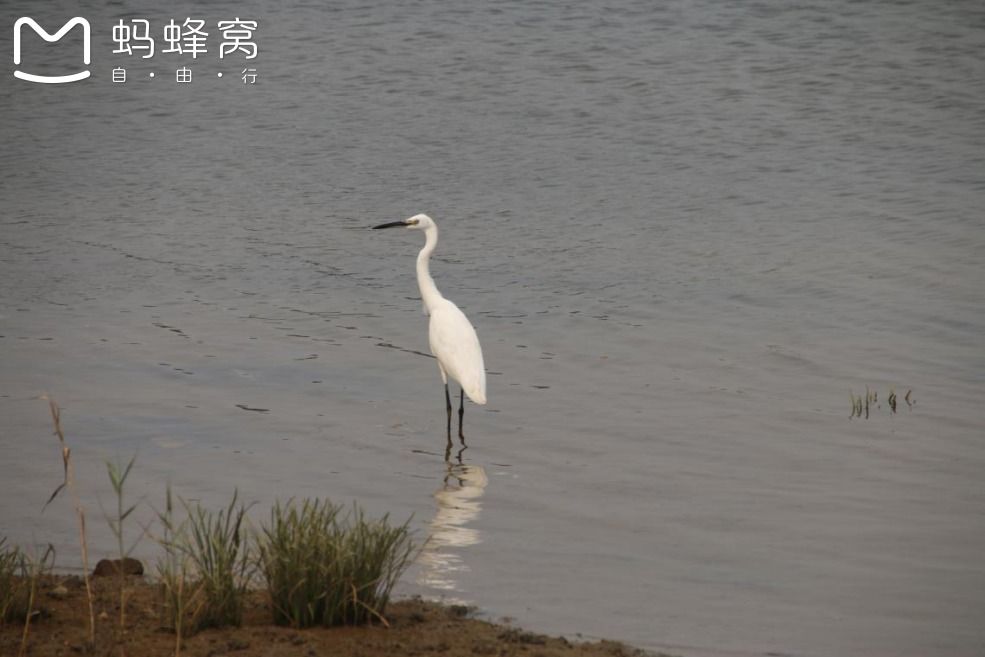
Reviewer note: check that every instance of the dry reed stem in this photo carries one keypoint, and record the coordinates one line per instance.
(27, 619)
(69, 483)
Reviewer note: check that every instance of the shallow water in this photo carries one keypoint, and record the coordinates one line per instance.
(685, 235)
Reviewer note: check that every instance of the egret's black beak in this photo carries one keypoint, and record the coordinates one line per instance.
(392, 224)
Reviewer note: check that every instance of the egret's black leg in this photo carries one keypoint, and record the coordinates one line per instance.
(461, 414)
(448, 407)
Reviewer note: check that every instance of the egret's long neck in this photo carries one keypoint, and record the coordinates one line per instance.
(429, 291)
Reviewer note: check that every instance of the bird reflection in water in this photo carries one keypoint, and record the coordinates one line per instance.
(458, 506)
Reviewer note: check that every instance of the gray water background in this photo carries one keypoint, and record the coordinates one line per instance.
(685, 232)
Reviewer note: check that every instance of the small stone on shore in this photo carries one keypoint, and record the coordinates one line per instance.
(110, 567)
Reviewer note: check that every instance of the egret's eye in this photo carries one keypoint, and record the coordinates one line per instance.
(413, 222)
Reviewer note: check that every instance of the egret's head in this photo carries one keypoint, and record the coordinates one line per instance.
(418, 221)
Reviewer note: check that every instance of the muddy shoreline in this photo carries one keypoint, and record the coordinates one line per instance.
(415, 627)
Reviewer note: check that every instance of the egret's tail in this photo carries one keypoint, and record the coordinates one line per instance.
(476, 390)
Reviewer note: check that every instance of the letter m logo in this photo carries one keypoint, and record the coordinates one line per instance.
(41, 32)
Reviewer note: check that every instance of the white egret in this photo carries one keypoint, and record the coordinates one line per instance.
(451, 335)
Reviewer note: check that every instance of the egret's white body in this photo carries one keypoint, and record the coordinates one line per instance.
(456, 346)
(452, 337)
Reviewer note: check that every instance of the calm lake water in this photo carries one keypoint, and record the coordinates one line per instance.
(686, 233)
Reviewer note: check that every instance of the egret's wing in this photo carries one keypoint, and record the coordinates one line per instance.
(456, 346)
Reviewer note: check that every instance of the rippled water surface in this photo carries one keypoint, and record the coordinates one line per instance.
(686, 232)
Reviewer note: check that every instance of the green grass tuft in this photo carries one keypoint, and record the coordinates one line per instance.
(218, 547)
(323, 567)
(14, 589)
(174, 571)
(20, 575)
